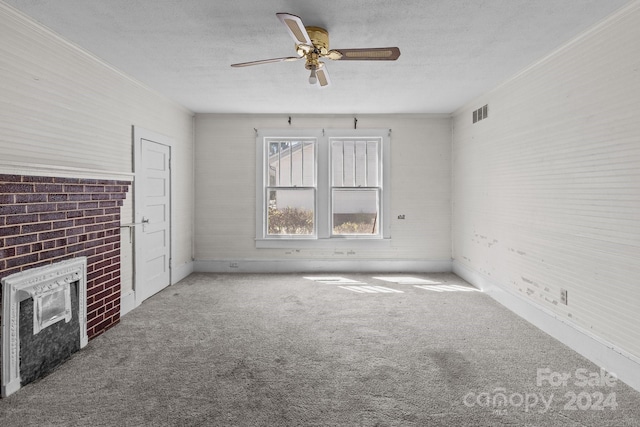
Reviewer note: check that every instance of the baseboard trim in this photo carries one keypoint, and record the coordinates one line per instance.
(127, 302)
(601, 352)
(321, 265)
(180, 272)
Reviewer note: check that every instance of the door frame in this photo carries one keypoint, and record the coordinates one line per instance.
(138, 135)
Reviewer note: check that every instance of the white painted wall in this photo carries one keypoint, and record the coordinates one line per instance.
(226, 196)
(546, 190)
(64, 111)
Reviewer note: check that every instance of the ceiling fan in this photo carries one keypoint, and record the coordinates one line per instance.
(312, 45)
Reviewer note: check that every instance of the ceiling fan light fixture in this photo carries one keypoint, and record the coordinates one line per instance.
(312, 45)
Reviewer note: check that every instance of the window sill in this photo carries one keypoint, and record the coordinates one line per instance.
(335, 243)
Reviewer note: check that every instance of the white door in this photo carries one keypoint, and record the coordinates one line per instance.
(152, 191)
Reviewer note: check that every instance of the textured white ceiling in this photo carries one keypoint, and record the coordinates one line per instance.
(452, 50)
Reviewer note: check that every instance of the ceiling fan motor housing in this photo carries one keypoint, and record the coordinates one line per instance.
(320, 39)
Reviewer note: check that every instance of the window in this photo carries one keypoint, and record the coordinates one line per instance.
(290, 187)
(355, 186)
(322, 187)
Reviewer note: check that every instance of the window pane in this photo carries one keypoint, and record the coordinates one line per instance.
(355, 163)
(372, 164)
(285, 165)
(295, 158)
(291, 163)
(360, 164)
(290, 212)
(308, 164)
(355, 212)
(337, 163)
(348, 159)
(274, 163)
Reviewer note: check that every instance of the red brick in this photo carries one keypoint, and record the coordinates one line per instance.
(10, 178)
(95, 259)
(79, 197)
(21, 219)
(37, 179)
(58, 197)
(31, 198)
(50, 244)
(106, 218)
(24, 249)
(93, 307)
(23, 260)
(73, 188)
(96, 227)
(75, 214)
(94, 290)
(103, 264)
(33, 228)
(84, 221)
(63, 224)
(48, 188)
(66, 180)
(52, 253)
(7, 253)
(20, 240)
(16, 188)
(7, 199)
(9, 231)
(52, 216)
(94, 320)
(41, 207)
(88, 205)
(112, 313)
(12, 209)
(72, 249)
(50, 235)
(94, 212)
(67, 206)
(100, 196)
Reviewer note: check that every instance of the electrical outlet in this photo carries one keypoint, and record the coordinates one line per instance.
(564, 297)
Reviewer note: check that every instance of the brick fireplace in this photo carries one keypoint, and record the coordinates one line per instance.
(44, 220)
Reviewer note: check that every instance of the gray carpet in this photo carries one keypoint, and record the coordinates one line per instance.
(282, 350)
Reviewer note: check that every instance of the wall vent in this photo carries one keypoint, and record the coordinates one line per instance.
(481, 113)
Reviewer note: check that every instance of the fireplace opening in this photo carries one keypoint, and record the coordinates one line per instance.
(47, 338)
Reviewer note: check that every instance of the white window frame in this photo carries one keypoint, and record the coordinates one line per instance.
(323, 222)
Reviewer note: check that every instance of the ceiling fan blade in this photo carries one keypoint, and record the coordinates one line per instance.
(323, 77)
(266, 61)
(295, 27)
(372, 54)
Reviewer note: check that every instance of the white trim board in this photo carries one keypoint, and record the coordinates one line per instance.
(180, 272)
(127, 302)
(599, 351)
(321, 265)
(32, 169)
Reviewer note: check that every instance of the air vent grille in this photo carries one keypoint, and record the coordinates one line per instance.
(481, 113)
